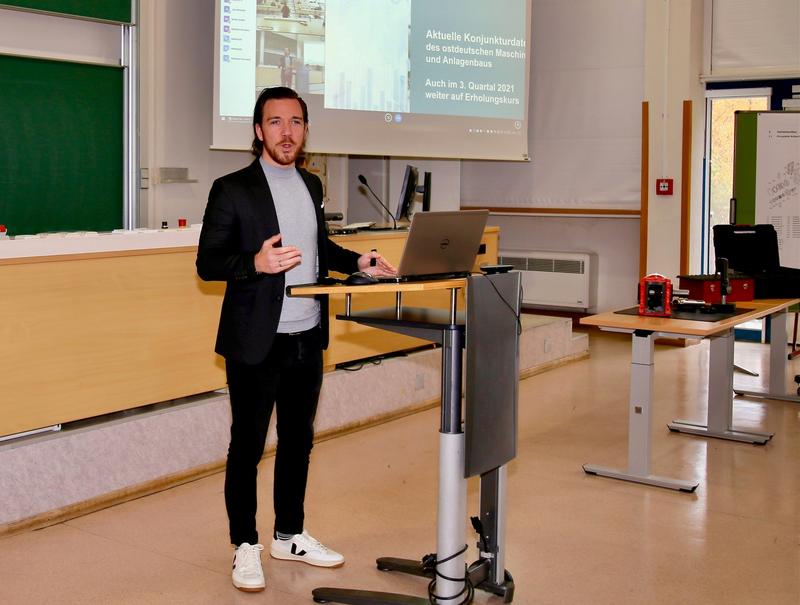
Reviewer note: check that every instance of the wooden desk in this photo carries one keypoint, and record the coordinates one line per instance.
(97, 325)
(89, 334)
(350, 341)
(643, 332)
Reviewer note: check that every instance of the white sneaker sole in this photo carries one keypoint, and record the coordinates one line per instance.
(245, 588)
(302, 559)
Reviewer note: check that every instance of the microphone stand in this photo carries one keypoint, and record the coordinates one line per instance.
(362, 179)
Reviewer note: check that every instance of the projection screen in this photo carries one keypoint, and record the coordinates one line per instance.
(418, 78)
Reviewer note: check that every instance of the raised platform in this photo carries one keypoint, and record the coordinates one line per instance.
(51, 477)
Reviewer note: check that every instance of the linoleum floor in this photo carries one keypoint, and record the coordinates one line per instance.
(572, 538)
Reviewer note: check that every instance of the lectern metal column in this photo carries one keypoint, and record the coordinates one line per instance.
(452, 509)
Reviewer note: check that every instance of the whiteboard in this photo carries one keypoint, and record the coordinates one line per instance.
(778, 180)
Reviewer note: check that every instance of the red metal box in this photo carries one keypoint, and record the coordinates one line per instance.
(707, 288)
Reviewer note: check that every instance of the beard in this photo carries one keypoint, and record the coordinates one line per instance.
(285, 157)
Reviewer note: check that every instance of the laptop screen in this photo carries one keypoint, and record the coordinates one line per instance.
(442, 243)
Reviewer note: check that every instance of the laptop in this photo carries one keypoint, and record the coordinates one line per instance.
(441, 245)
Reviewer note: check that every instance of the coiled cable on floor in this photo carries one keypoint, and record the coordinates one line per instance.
(430, 562)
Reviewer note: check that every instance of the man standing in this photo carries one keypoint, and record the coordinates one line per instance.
(264, 229)
(287, 64)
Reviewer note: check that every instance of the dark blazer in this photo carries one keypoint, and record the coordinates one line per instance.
(239, 216)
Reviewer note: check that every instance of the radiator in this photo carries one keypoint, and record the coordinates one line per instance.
(558, 280)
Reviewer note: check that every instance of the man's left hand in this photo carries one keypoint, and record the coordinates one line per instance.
(382, 267)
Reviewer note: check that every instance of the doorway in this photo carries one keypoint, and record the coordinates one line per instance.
(721, 106)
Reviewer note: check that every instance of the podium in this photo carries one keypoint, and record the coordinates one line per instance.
(481, 442)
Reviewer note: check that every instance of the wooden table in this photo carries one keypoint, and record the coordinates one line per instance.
(718, 424)
(99, 324)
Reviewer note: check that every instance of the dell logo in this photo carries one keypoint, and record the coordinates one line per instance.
(444, 243)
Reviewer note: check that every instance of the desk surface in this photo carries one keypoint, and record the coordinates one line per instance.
(417, 286)
(756, 310)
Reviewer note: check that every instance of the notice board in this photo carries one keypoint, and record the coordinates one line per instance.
(767, 176)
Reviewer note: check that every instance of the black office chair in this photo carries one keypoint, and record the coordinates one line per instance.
(753, 250)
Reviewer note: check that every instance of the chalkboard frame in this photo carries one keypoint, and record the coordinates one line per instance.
(116, 11)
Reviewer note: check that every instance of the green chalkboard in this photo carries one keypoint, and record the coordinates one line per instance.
(744, 165)
(107, 10)
(61, 131)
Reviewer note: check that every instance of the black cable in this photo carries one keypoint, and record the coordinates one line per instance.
(513, 311)
(355, 367)
(469, 589)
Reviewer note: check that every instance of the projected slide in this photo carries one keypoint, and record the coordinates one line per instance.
(448, 57)
(466, 60)
(379, 76)
(368, 71)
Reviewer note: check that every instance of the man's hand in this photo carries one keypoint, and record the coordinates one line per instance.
(382, 267)
(273, 258)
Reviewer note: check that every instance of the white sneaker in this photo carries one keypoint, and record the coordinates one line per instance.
(302, 547)
(247, 572)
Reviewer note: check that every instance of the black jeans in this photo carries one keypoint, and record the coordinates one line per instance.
(290, 379)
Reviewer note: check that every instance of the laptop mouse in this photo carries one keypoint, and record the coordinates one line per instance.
(360, 278)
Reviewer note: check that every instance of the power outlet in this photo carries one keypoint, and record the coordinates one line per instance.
(419, 384)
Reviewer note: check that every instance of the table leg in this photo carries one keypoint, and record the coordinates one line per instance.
(720, 403)
(776, 389)
(641, 398)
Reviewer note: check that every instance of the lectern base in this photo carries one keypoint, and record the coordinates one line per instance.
(364, 597)
(478, 574)
(409, 566)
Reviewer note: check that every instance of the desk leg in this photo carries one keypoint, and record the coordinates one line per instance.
(452, 513)
(720, 403)
(776, 389)
(641, 398)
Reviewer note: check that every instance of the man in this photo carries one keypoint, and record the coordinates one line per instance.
(287, 63)
(264, 229)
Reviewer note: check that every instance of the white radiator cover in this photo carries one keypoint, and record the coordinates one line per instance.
(556, 279)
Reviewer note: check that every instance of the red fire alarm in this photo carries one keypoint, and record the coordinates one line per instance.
(664, 186)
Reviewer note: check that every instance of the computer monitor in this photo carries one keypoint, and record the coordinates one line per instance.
(409, 189)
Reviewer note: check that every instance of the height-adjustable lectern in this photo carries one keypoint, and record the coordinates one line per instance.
(480, 445)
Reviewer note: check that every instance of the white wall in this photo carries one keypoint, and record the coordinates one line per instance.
(674, 60)
(176, 52)
(614, 240)
(585, 137)
(385, 176)
(53, 37)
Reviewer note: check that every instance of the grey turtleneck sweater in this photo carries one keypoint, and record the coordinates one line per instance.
(298, 225)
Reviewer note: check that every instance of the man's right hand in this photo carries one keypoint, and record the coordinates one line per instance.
(274, 258)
